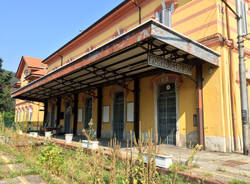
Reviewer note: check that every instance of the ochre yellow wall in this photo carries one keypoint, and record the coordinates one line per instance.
(196, 19)
(81, 105)
(187, 105)
(146, 104)
(37, 115)
(108, 93)
(183, 16)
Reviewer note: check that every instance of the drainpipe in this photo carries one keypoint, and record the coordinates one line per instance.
(243, 85)
(199, 104)
(139, 9)
(232, 90)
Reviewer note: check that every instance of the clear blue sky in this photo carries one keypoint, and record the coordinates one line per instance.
(37, 28)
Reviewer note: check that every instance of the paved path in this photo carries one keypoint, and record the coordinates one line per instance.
(9, 166)
(217, 165)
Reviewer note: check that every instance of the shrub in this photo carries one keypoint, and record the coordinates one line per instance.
(51, 157)
(90, 132)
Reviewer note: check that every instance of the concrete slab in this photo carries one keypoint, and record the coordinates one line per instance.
(6, 158)
(10, 168)
(221, 166)
(29, 179)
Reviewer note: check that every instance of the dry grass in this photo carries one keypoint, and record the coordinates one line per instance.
(84, 166)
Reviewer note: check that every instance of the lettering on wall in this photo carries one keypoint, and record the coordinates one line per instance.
(160, 62)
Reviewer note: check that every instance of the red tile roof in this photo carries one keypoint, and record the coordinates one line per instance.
(31, 62)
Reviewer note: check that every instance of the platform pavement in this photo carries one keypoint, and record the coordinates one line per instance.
(8, 165)
(217, 165)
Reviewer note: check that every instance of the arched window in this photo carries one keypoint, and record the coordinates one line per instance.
(26, 73)
(164, 15)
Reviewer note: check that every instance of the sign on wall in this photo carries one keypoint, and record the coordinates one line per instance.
(130, 112)
(168, 64)
(105, 114)
(79, 115)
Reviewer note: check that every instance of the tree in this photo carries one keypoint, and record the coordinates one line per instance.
(6, 102)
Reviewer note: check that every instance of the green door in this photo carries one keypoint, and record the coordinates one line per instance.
(52, 118)
(88, 112)
(118, 115)
(167, 114)
(67, 117)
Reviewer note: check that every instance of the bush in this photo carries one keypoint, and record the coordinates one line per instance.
(51, 157)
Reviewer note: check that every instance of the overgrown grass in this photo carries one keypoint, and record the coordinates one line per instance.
(77, 166)
(239, 182)
(56, 164)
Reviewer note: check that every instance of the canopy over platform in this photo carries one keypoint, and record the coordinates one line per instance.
(148, 48)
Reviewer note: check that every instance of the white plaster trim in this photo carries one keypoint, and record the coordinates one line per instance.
(214, 143)
(239, 144)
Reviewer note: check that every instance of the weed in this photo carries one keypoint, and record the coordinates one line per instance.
(92, 166)
(221, 169)
(238, 182)
(90, 132)
(191, 157)
(51, 157)
(115, 151)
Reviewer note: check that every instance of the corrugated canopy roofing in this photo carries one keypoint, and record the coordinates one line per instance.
(123, 58)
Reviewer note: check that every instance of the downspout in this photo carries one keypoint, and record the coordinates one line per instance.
(232, 91)
(199, 104)
(139, 9)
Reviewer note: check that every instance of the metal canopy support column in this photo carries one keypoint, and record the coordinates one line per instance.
(75, 113)
(99, 112)
(136, 107)
(199, 102)
(45, 113)
(58, 104)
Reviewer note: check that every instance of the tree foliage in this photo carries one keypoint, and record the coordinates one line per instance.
(7, 104)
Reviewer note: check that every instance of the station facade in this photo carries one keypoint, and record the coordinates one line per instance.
(166, 67)
(29, 69)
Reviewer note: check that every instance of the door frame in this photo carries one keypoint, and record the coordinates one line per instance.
(112, 114)
(156, 96)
